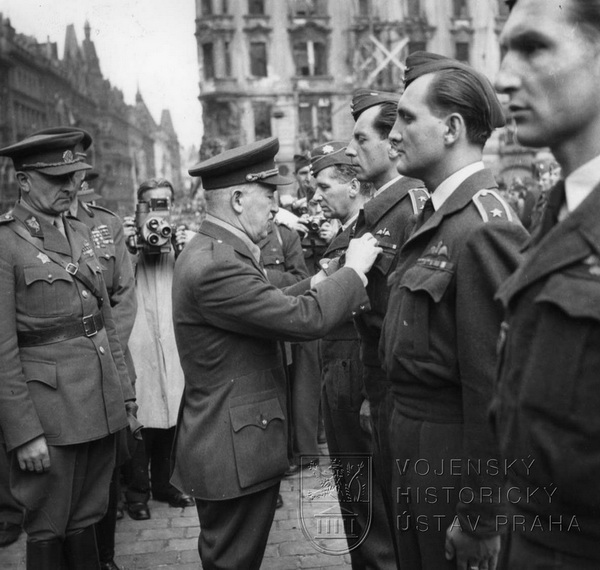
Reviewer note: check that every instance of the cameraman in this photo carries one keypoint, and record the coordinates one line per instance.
(152, 345)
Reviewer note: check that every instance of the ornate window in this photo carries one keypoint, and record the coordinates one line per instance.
(256, 7)
(207, 8)
(310, 58)
(262, 119)
(258, 59)
(314, 120)
(208, 60)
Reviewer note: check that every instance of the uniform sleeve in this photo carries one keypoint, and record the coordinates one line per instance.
(123, 299)
(490, 255)
(232, 295)
(18, 418)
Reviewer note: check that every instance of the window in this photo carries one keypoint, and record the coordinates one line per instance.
(413, 8)
(363, 8)
(461, 10)
(258, 59)
(256, 7)
(225, 6)
(227, 57)
(208, 60)
(462, 51)
(262, 119)
(416, 46)
(308, 8)
(503, 8)
(314, 118)
(310, 58)
(207, 8)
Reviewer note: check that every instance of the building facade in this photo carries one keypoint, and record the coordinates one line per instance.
(39, 90)
(287, 68)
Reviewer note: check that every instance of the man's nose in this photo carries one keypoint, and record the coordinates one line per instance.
(350, 150)
(395, 135)
(507, 79)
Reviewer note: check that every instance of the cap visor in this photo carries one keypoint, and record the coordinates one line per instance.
(64, 169)
(276, 180)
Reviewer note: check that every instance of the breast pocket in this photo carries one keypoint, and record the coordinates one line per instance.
(259, 437)
(48, 291)
(564, 360)
(420, 289)
(386, 261)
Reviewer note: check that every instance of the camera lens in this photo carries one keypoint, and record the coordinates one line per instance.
(165, 231)
(153, 239)
(152, 224)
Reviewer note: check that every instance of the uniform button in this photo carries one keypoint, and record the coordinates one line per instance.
(264, 422)
(49, 275)
(362, 307)
(101, 349)
(219, 241)
(277, 261)
(85, 294)
(353, 313)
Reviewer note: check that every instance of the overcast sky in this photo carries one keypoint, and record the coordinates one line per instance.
(149, 43)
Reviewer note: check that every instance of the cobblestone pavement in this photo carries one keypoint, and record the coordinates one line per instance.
(169, 539)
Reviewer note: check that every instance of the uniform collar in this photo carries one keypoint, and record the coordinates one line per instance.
(448, 186)
(254, 248)
(579, 185)
(386, 185)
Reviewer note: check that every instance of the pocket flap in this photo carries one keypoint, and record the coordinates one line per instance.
(257, 414)
(40, 371)
(578, 297)
(48, 273)
(385, 261)
(432, 281)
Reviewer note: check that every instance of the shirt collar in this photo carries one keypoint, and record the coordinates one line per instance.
(254, 249)
(350, 221)
(386, 185)
(445, 189)
(580, 183)
(46, 217)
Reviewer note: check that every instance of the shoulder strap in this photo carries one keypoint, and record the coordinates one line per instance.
(491, 205)
(71, 268)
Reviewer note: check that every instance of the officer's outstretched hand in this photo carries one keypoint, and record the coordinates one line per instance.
(362, 253)
(471, 552)
(34, 455)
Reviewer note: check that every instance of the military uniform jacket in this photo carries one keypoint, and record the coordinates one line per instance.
(390, 217)
(70, 391)
(438, 343)
(109, 243)
(547, 404)
(282, 256)
(232, 429)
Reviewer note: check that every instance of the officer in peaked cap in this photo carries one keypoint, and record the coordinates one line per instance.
(57, 423)
(439, 334)
(231, 445)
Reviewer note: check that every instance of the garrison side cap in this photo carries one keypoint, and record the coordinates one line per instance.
(253, 162)
(328, 154)
(363, 99)
(51, 154)
(422, 62)
(301, 160)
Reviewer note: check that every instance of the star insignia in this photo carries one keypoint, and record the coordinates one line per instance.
(67, 156)
(327, 149)
(497, 213)
(43, 257)
(33, 223)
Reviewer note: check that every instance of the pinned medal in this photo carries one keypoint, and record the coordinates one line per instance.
(43, 257)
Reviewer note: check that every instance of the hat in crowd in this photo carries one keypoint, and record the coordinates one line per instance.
(363, 99)
(301, 160)
(86, 193)
(51, 154)
(253, 162)
(328, 154)
(421, 62)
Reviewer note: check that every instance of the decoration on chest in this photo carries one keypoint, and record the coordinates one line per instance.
(437, 257)
(43, 257)
(383, 232)
(87, 250)
(102, 236)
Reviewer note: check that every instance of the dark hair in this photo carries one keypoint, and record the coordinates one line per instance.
(385, 119)
(343, 172)
(153, 183)
(584, 13)
(453, 91)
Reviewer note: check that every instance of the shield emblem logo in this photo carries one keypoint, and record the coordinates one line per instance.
(335, 507)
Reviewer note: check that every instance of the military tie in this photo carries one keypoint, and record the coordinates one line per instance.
(556, 198)
(426, 213)
(60, 225)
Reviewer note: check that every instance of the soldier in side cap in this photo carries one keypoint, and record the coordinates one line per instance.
(548, 389)
(231, 444)
(65, 389)
(439, 335)
(389, 216)
(368, 534)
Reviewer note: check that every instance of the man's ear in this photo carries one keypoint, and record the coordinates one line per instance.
(455, 126)
(354, 188)
(237, 201)
(23, 181)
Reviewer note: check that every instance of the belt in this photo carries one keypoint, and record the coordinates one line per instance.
(88, 326)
